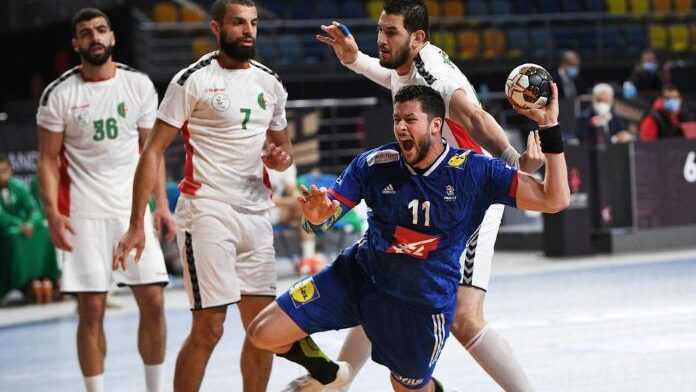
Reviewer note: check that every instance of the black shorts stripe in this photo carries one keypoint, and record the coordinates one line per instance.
(199, 65)
(420, 67)
(469, 256)
(191, 264)
(55, 83)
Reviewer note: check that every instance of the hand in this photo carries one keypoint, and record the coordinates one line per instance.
(344, 45)
(596, 121)
(58, 225)
(275, 157)
(546, 116)
(316, 206)
(134, 238)
(623, 137)
(532, 159)
(26, 229)
(163, 219)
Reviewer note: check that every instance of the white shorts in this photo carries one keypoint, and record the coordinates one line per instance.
(478, 255)
(88, 267)
(226, 253)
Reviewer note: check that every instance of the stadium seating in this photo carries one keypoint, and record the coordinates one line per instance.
(165, 12)
(201, 46)
(549, 6)
(353, 9)
(493, 43)
(658, 37)
(678, 38)
(692, 29)
(192, 13)
(500, 7)
(468, 45)
(594, 5)
(445, 41)
(433, 7)
(640, 7)
(452, 8)
(374, 8)
(477, 7)
(517, 42)
(662, 5)
(683, 6)
(616, 7)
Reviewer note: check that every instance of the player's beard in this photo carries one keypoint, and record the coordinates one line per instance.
(399, 57)
(235, 50)
(97, 59)
(422, 148)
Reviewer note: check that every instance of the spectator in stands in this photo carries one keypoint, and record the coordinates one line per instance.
(664, 121)
(599, 124)
(645, 80)
(18, 212)
(567, 76)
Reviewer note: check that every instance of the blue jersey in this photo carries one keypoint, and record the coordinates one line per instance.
(419, 221)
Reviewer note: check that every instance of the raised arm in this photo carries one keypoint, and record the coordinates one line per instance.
(146, 175)
(319, 211)
(553, 194)
(346, 50)
(489, 134)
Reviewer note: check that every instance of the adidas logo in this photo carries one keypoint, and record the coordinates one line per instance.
(388, 190)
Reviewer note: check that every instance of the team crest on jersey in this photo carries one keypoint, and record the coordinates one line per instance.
(449, 193)
(412, 243)
(81, 117)
(220, 102)
(262, 101)
(122, 109)
(383, 156)
(458, 160)
(304, 292)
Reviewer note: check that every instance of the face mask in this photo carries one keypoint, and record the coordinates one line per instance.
(672, 105)
(572, 71)
(650, 67)
(601, 108)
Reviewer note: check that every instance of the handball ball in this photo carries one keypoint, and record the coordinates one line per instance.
(529, 86)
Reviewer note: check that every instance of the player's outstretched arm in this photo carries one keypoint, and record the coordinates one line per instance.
(50, 145)
(489, 134)
(340, 39)
(145, 178)
(553, 195)
(319, 211)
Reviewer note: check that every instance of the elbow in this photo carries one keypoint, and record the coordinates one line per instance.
(558, 204)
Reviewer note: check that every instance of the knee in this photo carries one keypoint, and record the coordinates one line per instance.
(208, 334)
(152, 308)
(91, 313)
(467, 324)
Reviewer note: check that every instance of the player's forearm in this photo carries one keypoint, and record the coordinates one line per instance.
(370, 68)
(160, 190)
(556, 190)
(48, 183)
(146, 176)
(488, 133)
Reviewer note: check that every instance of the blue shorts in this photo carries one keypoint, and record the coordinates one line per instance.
(406, 340)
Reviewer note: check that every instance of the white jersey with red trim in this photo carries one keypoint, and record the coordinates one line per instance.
(100, 122)
(224, 115)
(433, 67)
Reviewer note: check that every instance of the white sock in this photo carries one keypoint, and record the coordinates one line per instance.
(153, 378)
(495, 356)
(309, 247)
(356, 351)
(94, 383)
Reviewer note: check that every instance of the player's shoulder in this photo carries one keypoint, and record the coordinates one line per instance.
(267, 73)
(432, 63)
(193, 71)
(383, 155)
(463, 159)
(133, 75)
(60, 84)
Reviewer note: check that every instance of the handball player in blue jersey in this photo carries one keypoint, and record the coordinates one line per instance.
(400, 281)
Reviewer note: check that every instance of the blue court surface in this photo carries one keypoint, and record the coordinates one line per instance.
(577, 327)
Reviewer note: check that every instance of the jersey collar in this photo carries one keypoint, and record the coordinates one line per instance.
(432, 167)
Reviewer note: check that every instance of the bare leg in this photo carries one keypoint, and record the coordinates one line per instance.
(152, 333)
(206, 331)
(256, 364)
(91, 342)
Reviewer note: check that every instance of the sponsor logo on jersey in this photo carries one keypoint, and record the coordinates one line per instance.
(261, 100)
(388, 190)
(122, 109)
(407, 381)
(449, 193)
(384, 156)
(412, 243)
(458, 160)
(220, 102)
(304, 292)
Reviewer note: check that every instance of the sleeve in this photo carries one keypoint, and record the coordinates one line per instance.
(617, 125)
(49, 115)
(178, 102)
(500, 182)
(349, 186)
(148, 112)
(279, 122)
(370, 68)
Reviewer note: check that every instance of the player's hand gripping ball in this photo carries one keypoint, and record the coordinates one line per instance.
(529, 86)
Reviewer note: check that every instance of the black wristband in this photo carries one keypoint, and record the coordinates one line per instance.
(551, 140)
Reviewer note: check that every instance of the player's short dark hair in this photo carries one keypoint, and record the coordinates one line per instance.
(5, 159)
(219, 7)
(86, 14)
(430, 100)
(415, 14)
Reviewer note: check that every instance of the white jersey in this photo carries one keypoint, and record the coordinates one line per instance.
(432, 67)
(100, 122)
(224, 115)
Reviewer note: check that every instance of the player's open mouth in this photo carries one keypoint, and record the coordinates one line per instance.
(407, 145)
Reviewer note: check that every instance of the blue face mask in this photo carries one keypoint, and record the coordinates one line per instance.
(650, 67)
(673, 105)
(572, 71)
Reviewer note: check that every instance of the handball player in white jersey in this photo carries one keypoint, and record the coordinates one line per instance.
(406, 58)
(92, 122)
(231, 112)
